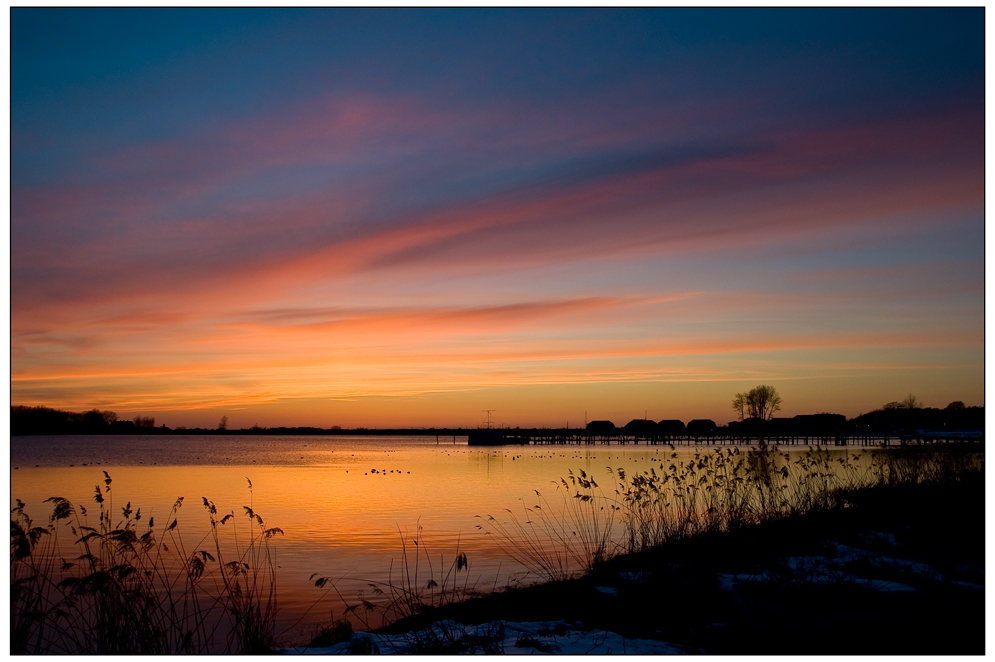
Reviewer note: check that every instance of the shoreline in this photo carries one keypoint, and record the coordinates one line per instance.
(736, 546)
(890, 570)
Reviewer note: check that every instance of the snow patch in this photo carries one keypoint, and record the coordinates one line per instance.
(638, 577)
(916, 567)
(509, 637)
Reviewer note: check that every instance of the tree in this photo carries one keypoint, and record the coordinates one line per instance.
(911, 402)
(739, 405)
(760, 402)
(94, 419)
(956, 404)
(223, 425)
(763, 401)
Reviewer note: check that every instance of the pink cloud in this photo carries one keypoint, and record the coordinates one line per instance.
(231, 261)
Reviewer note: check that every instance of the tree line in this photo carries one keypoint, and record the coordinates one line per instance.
(756, 405)
(45, 420)
(760, 403)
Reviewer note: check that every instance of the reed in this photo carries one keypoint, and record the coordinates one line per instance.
(130, 586)
(415, 585)
(103, 583)
(722, 490)
(556, 542)
(917, 464)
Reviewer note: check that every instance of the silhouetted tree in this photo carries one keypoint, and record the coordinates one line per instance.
(96, 418)
(956, 405)
(739, 405)
(39, 420)
(94, 421)
(223, 425)
(911, 402)
(760, 402)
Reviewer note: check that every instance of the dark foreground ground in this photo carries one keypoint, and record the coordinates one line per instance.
(898, 571)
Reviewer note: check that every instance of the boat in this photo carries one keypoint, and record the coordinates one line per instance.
(485, 437)
(491, 436)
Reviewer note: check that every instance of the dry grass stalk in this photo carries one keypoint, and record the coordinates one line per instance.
(130, 586)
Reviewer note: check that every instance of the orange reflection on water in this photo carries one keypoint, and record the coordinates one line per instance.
(345, 505)
(344, 513)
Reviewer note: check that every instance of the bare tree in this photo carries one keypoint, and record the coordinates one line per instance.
(96, 418)
(762, 402)
(739, 405)
(223, 425)
(911, 402)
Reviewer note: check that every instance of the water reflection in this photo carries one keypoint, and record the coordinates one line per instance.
(344, 503)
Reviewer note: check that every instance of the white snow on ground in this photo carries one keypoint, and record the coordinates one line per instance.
(576, 639)
(974, 587)
(915, 567)
(846, 553)
(727, 582)
(880, 584)
(825, 570)
(813, 569)
(638, 577)
(507, 637)
(879, 537)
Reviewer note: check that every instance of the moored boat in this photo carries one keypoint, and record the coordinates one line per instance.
(485, 437)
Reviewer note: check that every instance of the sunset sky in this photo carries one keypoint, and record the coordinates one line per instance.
(403, 217)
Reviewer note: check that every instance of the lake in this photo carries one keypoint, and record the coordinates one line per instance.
(343, 502)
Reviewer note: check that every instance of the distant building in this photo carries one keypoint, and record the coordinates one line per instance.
(819, 425)
(640, 427)
(701, 426)
(780, 427)
(891, 421)
(671, 427)
(601, 427)
(749, 427)
(804, 425)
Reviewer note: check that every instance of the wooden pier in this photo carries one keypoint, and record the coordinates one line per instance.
(543, 437)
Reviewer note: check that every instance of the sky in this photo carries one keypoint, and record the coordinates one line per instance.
(404, 217)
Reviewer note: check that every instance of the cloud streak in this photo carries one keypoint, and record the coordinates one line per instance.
(449, 235)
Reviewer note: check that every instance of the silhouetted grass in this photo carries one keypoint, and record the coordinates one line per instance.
(722, 490)
(416, 586)
(121, 584)
(555, 542)
(130, 586)
(784, 512)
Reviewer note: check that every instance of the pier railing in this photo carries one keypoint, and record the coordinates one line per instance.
(724, 438)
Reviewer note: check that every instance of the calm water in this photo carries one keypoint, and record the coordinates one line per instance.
(341, 519)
